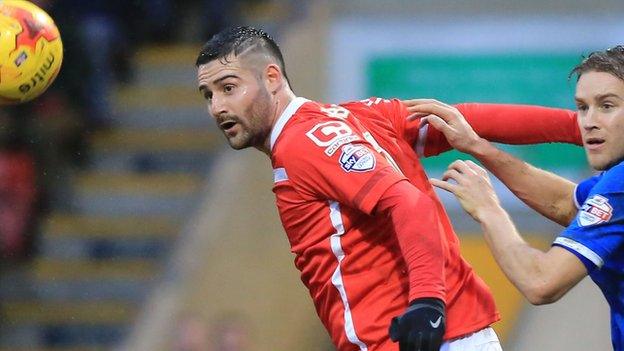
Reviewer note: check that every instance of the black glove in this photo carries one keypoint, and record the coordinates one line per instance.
(421, 327)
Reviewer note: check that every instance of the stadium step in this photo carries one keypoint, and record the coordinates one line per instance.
(156, 184)
(65, 225)
(72, 236)
(117, 194)
(166, 58)
(73, 348)
(151, 150)
(159, 56)
(164, 92)
(51, 269)
(157, 140)
(65, 323)
(164, 117)
(63, 336)
(192, 161)
(91, 313)
(113, 248)
(168, 96)
(131, 291)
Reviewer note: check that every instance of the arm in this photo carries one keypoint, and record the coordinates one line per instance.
(363, 179)
(419, 240)
(508, 124)
(550, 195)
(542, 277)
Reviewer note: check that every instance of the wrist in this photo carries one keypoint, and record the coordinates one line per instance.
(481, 148)
(433, 301)
(487, 213)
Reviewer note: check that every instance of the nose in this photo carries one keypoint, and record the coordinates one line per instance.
(589, 120)
(217, 107)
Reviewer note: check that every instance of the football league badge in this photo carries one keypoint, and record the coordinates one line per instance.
(357, 158)
(595, 210)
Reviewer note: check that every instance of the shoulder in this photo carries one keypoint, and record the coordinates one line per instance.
(385, 106)
(616, 173)
(311, 139)
(605, 201)
(584, 188)
(611, 181)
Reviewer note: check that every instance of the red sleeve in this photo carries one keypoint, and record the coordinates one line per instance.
(418, 236)
(509, 124)
(352, 173)
(396, 112)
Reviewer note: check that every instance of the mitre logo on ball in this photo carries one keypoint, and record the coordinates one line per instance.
(31, 51)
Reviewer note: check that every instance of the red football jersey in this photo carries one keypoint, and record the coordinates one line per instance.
(331, 165)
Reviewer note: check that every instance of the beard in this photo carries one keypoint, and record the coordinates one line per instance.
(255, 128)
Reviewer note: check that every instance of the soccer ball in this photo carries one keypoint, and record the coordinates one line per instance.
(31, 51)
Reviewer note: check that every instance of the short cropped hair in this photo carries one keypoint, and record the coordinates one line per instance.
(607, 61)
(238, 40)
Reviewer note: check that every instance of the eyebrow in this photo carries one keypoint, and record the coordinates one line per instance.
(600, 97)
(224, 78)
(203, 87)
(607, 95)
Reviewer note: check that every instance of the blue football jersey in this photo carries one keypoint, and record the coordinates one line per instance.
(596, 237)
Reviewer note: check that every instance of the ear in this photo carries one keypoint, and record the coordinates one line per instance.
(273, 78)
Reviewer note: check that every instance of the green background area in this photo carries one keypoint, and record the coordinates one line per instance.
(538, 79)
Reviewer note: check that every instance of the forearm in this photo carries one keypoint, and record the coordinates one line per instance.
(511, 124)
(547, 193)
(523, 265)
(522, 124)
(543, 277)
(418, 237)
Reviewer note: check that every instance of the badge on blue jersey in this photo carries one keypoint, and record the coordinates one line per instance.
(595, 210)
(357, 158)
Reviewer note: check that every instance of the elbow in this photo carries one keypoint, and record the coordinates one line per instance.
(568, 217)
(538, 300)
(541, 294)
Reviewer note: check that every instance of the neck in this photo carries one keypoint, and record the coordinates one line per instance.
(281, 101)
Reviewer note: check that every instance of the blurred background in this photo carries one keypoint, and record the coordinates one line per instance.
(127, 224)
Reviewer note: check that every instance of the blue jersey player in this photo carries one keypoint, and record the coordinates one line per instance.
(592, 211)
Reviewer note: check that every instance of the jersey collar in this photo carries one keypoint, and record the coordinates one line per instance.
(290, 110)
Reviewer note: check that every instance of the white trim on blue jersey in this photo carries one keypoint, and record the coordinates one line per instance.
(575, 197)
(581, 249)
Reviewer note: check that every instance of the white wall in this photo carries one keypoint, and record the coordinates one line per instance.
(353, 39)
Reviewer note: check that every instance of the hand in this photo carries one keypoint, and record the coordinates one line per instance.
(421, 327)
(473, 188)
(447, 119)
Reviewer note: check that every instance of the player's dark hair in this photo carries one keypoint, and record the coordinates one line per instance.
(608, 61)
(237, 40)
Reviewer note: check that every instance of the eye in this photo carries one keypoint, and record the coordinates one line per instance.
(581, 107)
(207, 95)
(607, 105)
(228, 88)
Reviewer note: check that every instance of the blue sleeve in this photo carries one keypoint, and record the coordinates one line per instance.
(583, 189)
(597, 233)
(576, 249)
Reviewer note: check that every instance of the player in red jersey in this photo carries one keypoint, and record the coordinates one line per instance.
(371, 238)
